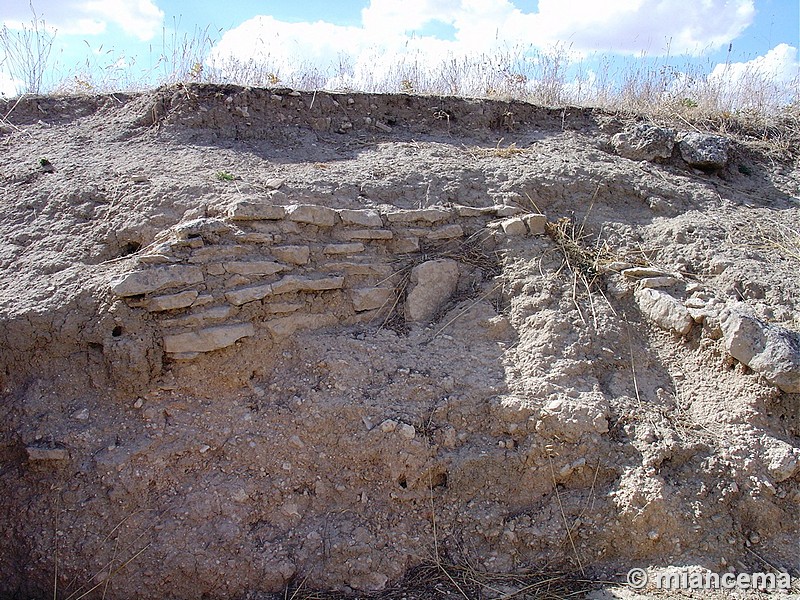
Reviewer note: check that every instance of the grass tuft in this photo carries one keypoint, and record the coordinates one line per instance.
(225, 176)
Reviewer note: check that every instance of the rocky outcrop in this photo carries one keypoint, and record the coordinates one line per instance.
(704, 151)
(644, 142)
(664, 310)
(210, 282)
(648, 142)
(767, 349)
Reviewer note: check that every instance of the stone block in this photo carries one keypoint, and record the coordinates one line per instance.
(43, 453)
(503, 210)
(255, 267)
(365, 218)
(535, 223)
(704, 151)
(248, 294)
(256, 211)
(659, 282)
(151, 280)
(172, 301)
(358, 269)
(295, 255)
(208, 339)
(664, 310)
(293, 283)
(432, 284)
(425, 215)
(368, 234)
(514, 227)
(353, 248)
(771, 350)
(312, 214)
(198, 319)
(644, 142)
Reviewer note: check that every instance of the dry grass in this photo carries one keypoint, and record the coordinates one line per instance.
(659, 88)
(775, 240)
(27, 52)
(436, 580)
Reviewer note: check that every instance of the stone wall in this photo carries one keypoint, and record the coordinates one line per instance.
(211, 281)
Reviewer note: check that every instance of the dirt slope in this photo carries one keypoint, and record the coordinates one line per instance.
(251, 338)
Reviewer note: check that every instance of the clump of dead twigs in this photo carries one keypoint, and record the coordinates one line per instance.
(581, 258)
(472, 252)
(435, 580)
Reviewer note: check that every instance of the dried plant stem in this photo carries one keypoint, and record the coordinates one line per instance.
(564, 516)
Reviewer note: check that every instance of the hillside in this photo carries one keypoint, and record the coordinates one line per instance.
(260, 341)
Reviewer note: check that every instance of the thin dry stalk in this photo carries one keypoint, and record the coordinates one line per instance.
(113, 558)
(633, 362)
(437, 557)
(466, 310)
(114, 572)
(55, 552)
(296, 591)
(27, 51)
(564, 516)
(776, 240)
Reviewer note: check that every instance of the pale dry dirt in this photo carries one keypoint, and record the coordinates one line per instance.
(537, 425)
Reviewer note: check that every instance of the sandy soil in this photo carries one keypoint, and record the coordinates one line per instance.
(256, 341)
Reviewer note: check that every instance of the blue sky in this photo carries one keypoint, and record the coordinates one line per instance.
(119, 35)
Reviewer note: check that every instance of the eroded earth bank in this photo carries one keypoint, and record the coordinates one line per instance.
(250, 338)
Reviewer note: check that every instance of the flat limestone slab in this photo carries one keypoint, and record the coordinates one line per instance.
(254, 267)
(207, 340)
(312, 214)
(248, 294)
(432, 284)
(256, 211)
(172, 301)
(365, 218)
(424, 215)
(292, 283)
(151, 280)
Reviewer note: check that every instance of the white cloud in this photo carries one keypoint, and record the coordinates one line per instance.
(771, 79)
(289, 47)
(653, 27)
(389, 32)
(138, 18)
(779, 65)
(388, 50)
(390, 16)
